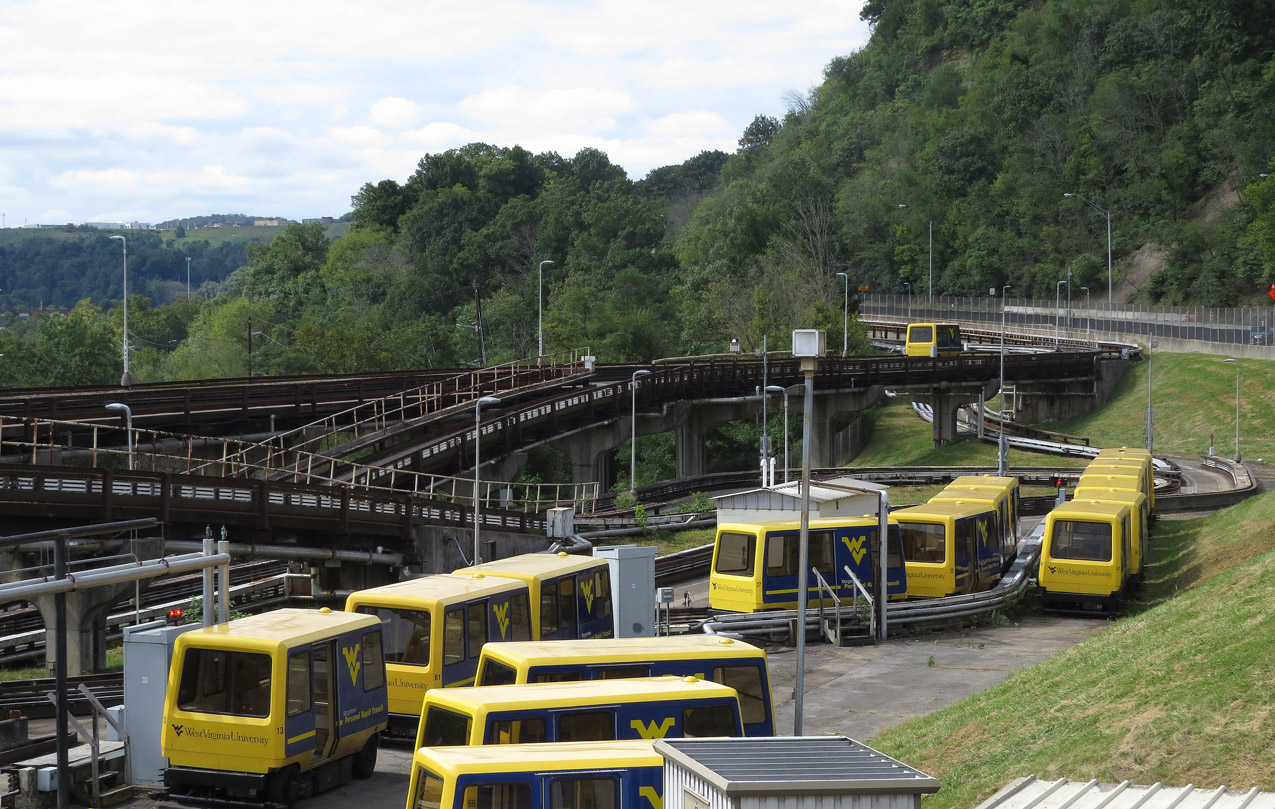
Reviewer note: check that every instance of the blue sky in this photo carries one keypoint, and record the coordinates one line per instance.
(140, 111)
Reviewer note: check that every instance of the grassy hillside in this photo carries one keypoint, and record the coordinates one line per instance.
(1193, 395)
(1178, 693)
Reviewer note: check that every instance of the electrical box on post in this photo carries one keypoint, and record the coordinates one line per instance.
(809, 343)
(148, 651)
(632, 588)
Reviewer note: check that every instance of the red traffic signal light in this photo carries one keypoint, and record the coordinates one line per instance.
(1060, 482)
(175, 615)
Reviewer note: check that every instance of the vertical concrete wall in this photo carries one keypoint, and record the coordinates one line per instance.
(440, 549)
(1052, 401)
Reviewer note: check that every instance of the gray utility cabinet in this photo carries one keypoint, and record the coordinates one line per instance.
(632, 588)
(148, 651)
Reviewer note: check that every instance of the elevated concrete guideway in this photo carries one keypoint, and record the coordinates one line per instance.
(588, 418)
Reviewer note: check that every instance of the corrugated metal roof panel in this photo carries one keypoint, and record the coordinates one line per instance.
(1031, 793)
(795, 765)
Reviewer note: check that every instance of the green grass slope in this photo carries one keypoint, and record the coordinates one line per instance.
(1178, 693)
(1193, 395)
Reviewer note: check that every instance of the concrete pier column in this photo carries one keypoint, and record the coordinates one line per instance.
(86, 613)
(590, 450)
(945, 406)
(689, 444)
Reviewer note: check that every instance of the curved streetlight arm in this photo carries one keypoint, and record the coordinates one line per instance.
(1093, 205)
(1107, 213)
(120, 407)
(268, 337)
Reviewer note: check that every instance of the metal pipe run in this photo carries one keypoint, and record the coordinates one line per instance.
(146, 569)
(298, 552)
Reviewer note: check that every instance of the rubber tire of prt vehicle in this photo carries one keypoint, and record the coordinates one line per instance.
(283, 788)
(364, 765)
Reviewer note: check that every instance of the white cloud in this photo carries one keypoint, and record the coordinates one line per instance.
(695, 122)
(218, 178)
(395, 113)
(114, 178)
(149, 130)
(154, 114)
(557, 108)
(301, 93)
(440, 136)
(356, 136)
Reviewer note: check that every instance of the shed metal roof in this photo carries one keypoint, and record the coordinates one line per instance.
(1031, 793)
(837, 497)
(794, 765)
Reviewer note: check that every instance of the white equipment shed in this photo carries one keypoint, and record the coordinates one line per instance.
(839, 497)
(792, 772)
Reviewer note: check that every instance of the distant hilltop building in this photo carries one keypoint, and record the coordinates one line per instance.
(271, 223)
(118, 225)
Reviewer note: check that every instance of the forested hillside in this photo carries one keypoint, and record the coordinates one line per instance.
(979, 116)
(970, 119)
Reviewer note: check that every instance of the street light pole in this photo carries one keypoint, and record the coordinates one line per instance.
(1151, 346)
(1002, 461)
(1237, 407)
(1107, 213)
(633, 430)
(908, 286)
(1057, 312)
(478, 443)
(120, 407)
(1069, 303)
(187, 276)
(784, 392)
(845, 315)
(1087, 313)
(125, 380)
(540, 309)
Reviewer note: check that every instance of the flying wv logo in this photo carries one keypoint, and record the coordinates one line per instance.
(587, 589)
(178, 729)
(650, 793)
(502, 618)
(352, 662)
(857, 550)
(982, 532)
(652, 730)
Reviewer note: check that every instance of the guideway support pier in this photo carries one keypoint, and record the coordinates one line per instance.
(86, 609)
(590, 449)
(946, 398)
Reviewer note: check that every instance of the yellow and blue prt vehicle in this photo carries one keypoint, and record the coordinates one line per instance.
(623, 775)
(734, 663)
(593, 710)
(274, 707)
(570, 593)
(435, 628)
(1085, 554)
(755, 564)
